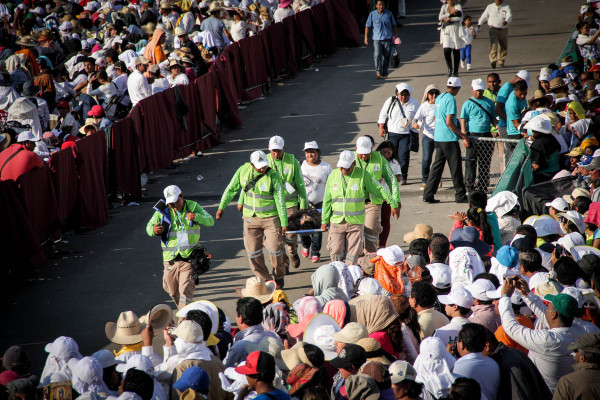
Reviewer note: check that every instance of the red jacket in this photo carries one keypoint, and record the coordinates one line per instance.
(24, 161)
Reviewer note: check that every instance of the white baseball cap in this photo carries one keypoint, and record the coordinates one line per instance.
(479, 289)
(576, 294)
(363, 145)
(441, 275)
(311, 145)
(171, 194)
(276, 143)
(525, 76)
(27, 136)
(458, 296)
(401, 370)
(540, 123)
(259, 159)
(558, 204)
(477, 84)
(454, 81)
(346, 159)
(546, 225)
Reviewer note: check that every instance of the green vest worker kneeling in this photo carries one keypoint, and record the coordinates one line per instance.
(264, 214)
(344, 205)
(178, 225)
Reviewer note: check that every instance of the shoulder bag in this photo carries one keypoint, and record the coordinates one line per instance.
(414, 135)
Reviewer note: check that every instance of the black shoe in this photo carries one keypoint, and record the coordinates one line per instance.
(404, 182)
(449, 72)
(455, 74)
(462, 200)
(493, 64)
(431, 201)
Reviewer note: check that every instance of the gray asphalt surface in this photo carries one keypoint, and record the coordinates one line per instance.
(118, 267)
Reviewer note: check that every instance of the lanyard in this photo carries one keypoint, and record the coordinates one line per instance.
(344, 186)
(181, 224)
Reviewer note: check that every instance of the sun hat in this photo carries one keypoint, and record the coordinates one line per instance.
(189, 331)
(89, 122)
(350, 355)
(401, 370)
(545, 225)
(557, 83)
(141, 60)
(477, 84)
(454, 81)
(127, 329)
(311, 145)
(363, 145)
(27, 41)
(276, 143)
(458, 296)
(479, 288)
(588, 342)
(352, 333)
(575, 218)
(540, 123)
(579, 251)
(259, 159)
(469, 237)
(563, 303)
(319, 332)
(346, 159)
(421, 231)
(538, 96)
(258, 289)
(545, 286)
(193, 378)
(441, 275)
(106, 358)
(523, 74)
(175, 63)
(291, 356)
(159, 317)
(171, 194)
(27, 136)
(374, 351)
(139, 362)
(558, 204)
(577, 192)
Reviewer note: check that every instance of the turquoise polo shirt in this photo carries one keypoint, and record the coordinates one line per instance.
(477, 119)
(513, 108)
(503, 94)
(445, 104)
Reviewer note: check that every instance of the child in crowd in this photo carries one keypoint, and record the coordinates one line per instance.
(425, 120)
(468, 33)
(388, 151)
(315, 172)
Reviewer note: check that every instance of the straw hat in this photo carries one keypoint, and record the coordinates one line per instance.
(159, 317)
(374, 351)
(291, 357)
(216, 6)
(590, 96)
(264, 11)
(258, 288)
(88, 122)
(174, 62)
(540, 97)
(319, 331)
(207, 55)
(127, 329)
(26, 41)
(557, 83)
(166, 5)
(422, 231)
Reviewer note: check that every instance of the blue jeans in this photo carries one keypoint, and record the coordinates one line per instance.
(382, 53)
(427, 147)
(465, 53)
(402, 145)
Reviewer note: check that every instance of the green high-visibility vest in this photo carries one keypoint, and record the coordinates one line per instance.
(375, 166)
(347, 196)
(259, 200)
(286, 168)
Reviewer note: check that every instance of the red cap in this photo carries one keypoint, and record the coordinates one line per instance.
(62, 104)
(251, 367)
(96, 111)
(595, 67)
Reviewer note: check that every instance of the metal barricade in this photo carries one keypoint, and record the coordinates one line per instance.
(485, 162)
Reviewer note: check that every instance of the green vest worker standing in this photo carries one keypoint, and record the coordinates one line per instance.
(179, 228)
(290, 173)
(344, 206)
(379, 168)
(264, 214)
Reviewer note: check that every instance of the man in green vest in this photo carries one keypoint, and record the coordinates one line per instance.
(177, 221)
(344, 206)
(289, 170)
(264, 213)
(378, 167)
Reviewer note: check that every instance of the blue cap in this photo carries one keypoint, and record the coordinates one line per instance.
(585, 160)
(508, 256)
(193, 378)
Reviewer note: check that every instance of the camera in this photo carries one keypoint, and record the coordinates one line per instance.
(200, 260)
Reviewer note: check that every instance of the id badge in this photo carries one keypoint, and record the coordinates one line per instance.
(182, 239)
(290, 189)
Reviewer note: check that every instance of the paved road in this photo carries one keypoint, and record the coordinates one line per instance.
(118, 267)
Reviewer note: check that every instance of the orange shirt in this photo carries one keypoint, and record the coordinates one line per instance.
(504, 338)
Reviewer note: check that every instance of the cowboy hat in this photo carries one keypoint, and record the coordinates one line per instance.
(540, 97)
(258, 289)
(159, 317)
(127, 329)
(26, 41)
(211, 310)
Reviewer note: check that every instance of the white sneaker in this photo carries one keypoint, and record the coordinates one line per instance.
(469, 67)
(462, 64)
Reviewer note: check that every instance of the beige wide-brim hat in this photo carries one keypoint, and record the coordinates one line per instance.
(421, 231)
(258, 288)
(159, 317)
(127, 329)
(291, 357)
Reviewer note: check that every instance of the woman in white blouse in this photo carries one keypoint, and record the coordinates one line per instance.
(425, 121)
(178, 76)
(238, 25)
(451, 16)
(105, 91)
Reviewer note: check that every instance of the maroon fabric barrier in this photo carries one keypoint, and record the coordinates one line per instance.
(208, 95)
(157, 129)
(64, 176)
(293, 49)
(234, 57)
(41, 210)
(347, 27)
(226, 90)
(331, 13)
(255, 71)
(324, 42)
(19, 244)
(305, 28)
(266, 41)
(279, 56)
(90, 158)
(185, 141)
(125, 156)
(137, 120)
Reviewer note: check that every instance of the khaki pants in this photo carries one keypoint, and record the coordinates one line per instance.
(345, 242)
(372, 226)
(178, 282)
(499, 45)
(290, 242)
(255, 230)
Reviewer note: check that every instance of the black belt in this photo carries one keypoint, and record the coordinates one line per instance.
(178, 258)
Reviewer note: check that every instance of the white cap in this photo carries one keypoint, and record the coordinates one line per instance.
(392, 254)
(85, 45)
(479, 289)
(546, 225)
(525, 76)
(441, 275)
(27, 136)
(544, 75)
(259, 159)
(576, 294)
(137, 361)
(106, 358)
(558, 204)
(458, 296)
(596, 153)
(311, 145)
(571, 240)
(189, 331)
(171, 194)
(363, 145)
(454, 81)
(369, 286)
(65, 25)
(540, 123)
(401, 370)
(404, 86)
(276, 143)
(477, 84)
(63, 347)
(38, 10)
(101, 62)
(346, 159)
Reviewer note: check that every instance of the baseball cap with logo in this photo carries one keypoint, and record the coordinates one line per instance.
(350, 355)
(401, 370)
(363, 145)
(584, 160)
(525, 76)
(563, 303)
(479, 288)
(311, 146)
(558, 204)
(171, 194)
(346, 159)
(276, 143)
(594, 164)
(477, 84)
(259, 159)
(458, 296)
(454, 81)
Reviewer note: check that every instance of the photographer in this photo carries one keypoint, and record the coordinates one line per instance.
(177, 222)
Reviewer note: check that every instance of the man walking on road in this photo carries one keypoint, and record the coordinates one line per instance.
(379, 168)
(498, 16)
(383, 23)
(446, 145)
(264, 214)
(290, 172)
(177, 221)
(344, 205)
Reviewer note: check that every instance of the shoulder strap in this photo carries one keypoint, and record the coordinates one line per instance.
(254, 180)
(401, 108)
(484, 110)
(10, 158)
(390, 108)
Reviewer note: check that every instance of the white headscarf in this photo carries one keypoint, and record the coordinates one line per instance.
(502, 203)
(60, 352)
(434, 367)
(346, 280)
(465, 264)
(87, 376)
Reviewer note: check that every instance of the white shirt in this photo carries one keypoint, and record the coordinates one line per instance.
(187, 22)
(496, 16)
(67, 121)
(449, 333)
(160, 85)
(315, 178)
(180, 79)
(398, 122)
(281, 13)
(43, 111)
(238, 30)
(138, 87)
(103, 92)
(426, 115)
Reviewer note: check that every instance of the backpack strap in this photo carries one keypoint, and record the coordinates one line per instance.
(492, 120)
(10, 158)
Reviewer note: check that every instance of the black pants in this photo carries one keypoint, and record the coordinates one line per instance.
(478, 155)
(446, 151)
(452, 66)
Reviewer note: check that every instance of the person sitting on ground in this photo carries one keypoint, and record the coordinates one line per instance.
(483, 308)
(422, 299)
(259, 370)
(458, 306)
(19, 158)
(138, 383)
(584, 383)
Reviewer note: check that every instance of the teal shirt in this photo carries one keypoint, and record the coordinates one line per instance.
(477, 119)
(495, 228)
(513, 108)
(503, 94)
(445, 104)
